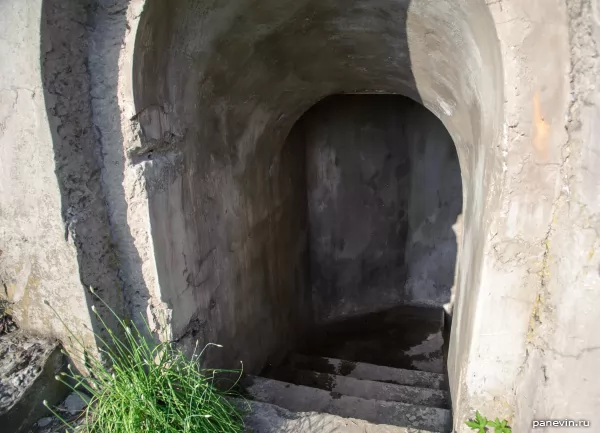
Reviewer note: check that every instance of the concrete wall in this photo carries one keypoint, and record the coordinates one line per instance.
(220, 85)
(558, 377)
(40, 243)
(384, 190)
(434, 212)
(358, 187)
(230, 245)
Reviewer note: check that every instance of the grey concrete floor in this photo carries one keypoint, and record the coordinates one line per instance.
(402, 337)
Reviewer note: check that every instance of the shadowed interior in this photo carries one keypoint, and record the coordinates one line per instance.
(218, 88)
(384, 196)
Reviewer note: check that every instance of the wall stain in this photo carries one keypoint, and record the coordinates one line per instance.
(541, 129)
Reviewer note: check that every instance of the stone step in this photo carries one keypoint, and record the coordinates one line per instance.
(367, 389)
(298, 398)
(363, 371)
(268, 418)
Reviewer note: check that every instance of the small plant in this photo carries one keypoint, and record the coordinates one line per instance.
(481, 424)
(500, 426)
(146, 387)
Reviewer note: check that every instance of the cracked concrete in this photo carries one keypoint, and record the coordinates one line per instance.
(561, 343)
(37, 261)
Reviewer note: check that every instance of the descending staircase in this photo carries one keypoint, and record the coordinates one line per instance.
(377, 394)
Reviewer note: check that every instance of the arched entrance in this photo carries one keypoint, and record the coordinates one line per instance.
(238, 250)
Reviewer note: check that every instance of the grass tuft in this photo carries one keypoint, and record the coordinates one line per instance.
(143, 386)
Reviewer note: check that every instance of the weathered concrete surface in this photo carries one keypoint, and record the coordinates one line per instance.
(112, 30)
(364, 371)
(38, 249)
(434, 212)
(28, 366)
(305, 399)
(493, 349)
(384, 191)
(367, 389)
(358, 181)
(268, 418)
(559, 374)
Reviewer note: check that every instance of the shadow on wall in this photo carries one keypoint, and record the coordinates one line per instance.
(80, 47)
(227, 193)
(384, 195)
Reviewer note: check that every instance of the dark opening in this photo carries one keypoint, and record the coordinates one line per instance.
(384, 198)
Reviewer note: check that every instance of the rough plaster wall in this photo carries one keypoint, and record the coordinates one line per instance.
(73, 64)
(65, 31)
(384, 190)
(41, 257)
(112, 28)
(559, 378)
(245, 269)
(492, 352)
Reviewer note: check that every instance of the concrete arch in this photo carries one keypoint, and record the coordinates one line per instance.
(217, 88)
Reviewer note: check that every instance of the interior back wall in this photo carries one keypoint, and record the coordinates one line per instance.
(384, 191)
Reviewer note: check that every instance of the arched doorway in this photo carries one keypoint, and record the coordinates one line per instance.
(220, 88)
(384, 199)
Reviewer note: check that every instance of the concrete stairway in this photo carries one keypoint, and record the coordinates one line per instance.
(377, 394)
